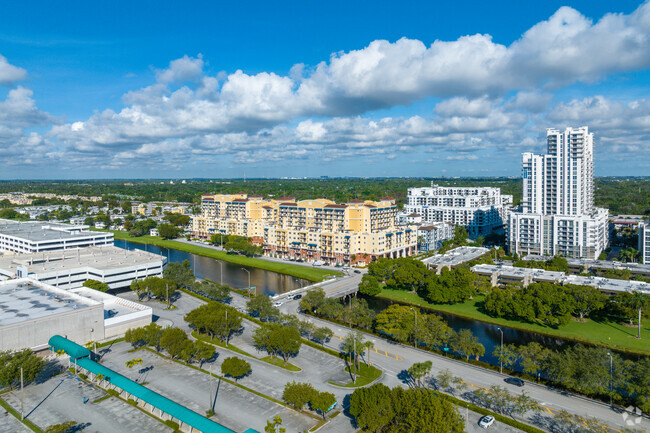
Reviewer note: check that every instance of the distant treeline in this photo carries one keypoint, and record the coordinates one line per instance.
(620, 195)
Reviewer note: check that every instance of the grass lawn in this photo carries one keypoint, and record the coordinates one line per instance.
(280, 363)
(611, 334)
(305, 272)
(217, 342)
(365, 375)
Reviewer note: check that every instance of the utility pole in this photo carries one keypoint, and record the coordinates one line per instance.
(501, 357)
(249, 281)
(210, 406)
(22, 396)
(611, 376)
(167, 293)
(221, 274)
(415, 333)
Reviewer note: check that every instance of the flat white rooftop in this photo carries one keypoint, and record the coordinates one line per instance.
(456, 256)
(39, 231)
(22, 300)
(104, 258)
(516, 272)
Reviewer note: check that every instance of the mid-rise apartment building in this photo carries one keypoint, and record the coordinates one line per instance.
(480, 210)
(312, 230)
(557, 216)
(644, 241)
(431, 237)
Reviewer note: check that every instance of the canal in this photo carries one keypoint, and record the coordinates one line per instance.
(488, 334)
(234, 275)
(270, 283)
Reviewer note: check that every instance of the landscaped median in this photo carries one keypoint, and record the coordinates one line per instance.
(365, 375)
(611, 334)
(304, 272)
(268, 359)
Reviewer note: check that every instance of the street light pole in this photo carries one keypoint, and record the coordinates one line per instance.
(501, 357)
(249, 281)
(415, 333)
(611, 376)
(221, 274)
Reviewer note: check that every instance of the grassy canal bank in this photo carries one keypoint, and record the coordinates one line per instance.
(305, 272)
(607, 333)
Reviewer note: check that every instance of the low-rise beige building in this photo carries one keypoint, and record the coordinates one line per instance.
(311, 230)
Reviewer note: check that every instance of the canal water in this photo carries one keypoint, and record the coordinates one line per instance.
(489, 335)
(233, 275)
(271, 283)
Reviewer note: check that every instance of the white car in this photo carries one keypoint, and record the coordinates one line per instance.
(486, 421)
(278, 303)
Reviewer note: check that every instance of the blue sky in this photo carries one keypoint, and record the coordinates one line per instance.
(160, 89)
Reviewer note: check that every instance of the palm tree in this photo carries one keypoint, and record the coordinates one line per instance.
(133, 362)
(639, 302)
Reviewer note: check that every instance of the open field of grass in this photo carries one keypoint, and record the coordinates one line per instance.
(305, 272)
(606, 333)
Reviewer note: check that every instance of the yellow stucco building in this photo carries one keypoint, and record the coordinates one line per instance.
(312, 230)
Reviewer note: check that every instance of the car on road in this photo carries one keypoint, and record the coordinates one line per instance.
(486, 421)
(514, 381)
(278, 303)
(356, 271)
(298, 296)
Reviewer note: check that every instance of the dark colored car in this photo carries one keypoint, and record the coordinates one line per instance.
(298, 296)
(357, 271)
(514, 381)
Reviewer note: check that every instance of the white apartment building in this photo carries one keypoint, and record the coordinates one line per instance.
(480, 210)
(644, 241)
(557, 216)
(431, 237)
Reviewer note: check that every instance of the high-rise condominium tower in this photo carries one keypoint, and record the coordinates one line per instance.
(557, 216)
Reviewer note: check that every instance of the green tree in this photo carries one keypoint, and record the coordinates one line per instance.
(423, 410)
(312, 300)
(372, 407)
(322, 334)
(148, 335)
(61, 428)
(322, 402)
(278, 339)
(168, 231)
(467, 344)
(533, 357)
(274, 426)
(213, 319)
(587, 299)
(180, 273)
(369, 285)
(507, 355)
(202, 352)
(11, 362)
(420, 370)
(96, 285)
(262, 307)
(432, 330)
(235, 368)
(408, 274)
(174, 341)
(298, 394)
(359, 313)
(396, 321)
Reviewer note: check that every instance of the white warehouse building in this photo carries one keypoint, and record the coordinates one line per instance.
(480, 210)
(31, 312)
(114, 266)
(34, 237)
